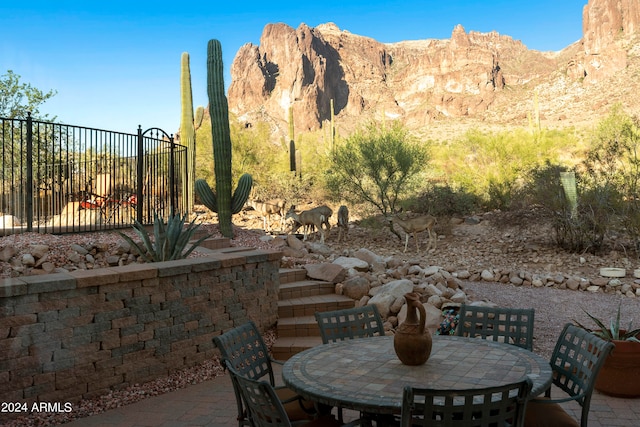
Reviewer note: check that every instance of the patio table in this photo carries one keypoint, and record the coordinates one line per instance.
(365, 375)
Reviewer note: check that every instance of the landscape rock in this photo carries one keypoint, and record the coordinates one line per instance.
(7, 253)
(368, 256)
(349, 263)
(356, 287)
(38, 251)
(328, 272)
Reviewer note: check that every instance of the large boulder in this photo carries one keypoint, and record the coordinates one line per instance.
(356, 287)
(328, 272)
(387, 294)
(349, 263)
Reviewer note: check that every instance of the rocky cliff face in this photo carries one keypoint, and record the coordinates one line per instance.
(419, 81)
(609, 30)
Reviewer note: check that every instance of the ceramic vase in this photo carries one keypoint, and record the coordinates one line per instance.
(412, 341)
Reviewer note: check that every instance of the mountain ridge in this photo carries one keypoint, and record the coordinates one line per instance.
(439, 86)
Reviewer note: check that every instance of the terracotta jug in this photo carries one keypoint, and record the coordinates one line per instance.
(412, 342)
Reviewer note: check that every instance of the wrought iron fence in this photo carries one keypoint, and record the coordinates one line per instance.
(58, 178)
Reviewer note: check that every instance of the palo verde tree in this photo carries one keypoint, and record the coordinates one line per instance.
(18, 98)
(376, 165)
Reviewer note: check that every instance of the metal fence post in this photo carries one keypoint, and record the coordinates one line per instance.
(140, 182)
(172, 177)
(29, 189)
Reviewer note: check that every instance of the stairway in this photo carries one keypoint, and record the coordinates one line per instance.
(298, 300)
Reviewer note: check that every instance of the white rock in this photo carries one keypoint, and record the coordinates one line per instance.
(38, 251)
(487, 276)
(28, 260)
(431, 270)
(352, 263)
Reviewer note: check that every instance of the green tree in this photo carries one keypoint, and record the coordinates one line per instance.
(377, 165)
(613, 164)
(17, 98)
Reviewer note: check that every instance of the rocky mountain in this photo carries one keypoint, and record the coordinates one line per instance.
(470, 80)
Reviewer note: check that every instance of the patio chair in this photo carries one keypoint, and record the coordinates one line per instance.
(494, 406)
(244, 349)
(349, 323)
(510, 325)
(576, 361)
(265, 407)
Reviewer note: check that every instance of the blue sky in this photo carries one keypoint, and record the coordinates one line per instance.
(116, 64)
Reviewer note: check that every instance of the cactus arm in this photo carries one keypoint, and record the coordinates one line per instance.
(206, 195)
(197, 120)
(241, 195)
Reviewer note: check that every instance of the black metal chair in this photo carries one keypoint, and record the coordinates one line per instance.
(349, 323)
(244, 350)
(510, 325)
(494, 406)
(576, 361)
(265, 407)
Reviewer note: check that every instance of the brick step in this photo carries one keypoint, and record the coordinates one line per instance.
(286, 347)
(307, 306)
(304, 288)
(214, 242)
(288, 275)
(299, 326)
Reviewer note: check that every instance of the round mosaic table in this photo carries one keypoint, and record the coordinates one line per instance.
(364, 374)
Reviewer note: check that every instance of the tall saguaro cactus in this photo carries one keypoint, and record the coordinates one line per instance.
(292, 144)
(187, 129)
(223, 202)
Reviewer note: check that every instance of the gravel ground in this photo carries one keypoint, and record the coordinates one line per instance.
(554, 307)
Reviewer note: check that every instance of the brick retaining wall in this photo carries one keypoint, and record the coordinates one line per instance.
(64, 337)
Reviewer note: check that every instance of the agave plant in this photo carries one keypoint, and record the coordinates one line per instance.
(613, 332)
(169, 240)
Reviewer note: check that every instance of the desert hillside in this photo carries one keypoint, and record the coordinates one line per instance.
(472, 80)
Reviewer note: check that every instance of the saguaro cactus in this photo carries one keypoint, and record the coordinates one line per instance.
(187, 129)
(223, 202)
(292, 144)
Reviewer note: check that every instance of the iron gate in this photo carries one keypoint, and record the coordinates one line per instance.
(58, 178)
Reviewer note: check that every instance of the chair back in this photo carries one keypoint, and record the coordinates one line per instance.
(263, 404)
(358, 322)
(494, 406)
(576, 361)
(245, 351)
(510, 325)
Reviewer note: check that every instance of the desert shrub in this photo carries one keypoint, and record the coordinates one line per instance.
(586, 229)
(576, 230)
(614, 161)
(493, 165)
(378, 165)
(443, 200)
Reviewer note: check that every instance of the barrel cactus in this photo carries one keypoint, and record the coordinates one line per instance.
(221, 201)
